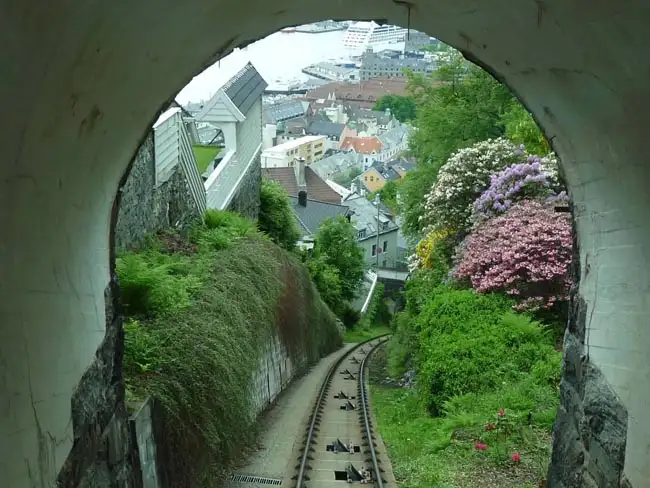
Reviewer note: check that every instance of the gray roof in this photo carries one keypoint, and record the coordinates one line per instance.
(338, 163)
(403, 164)
(387, 170)
(364, 216)
(285, 111)
(325, 128)
(394, 136)
(245, 88)
(310, 217)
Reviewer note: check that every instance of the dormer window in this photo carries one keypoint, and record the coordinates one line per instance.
(361, 234)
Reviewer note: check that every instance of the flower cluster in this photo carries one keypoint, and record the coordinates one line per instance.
(463, 178)
(526, 252)
(426, 246)
(517, 182)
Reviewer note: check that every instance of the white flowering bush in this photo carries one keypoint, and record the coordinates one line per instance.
(463, 178)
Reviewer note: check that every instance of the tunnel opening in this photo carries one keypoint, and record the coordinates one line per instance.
(583, 101)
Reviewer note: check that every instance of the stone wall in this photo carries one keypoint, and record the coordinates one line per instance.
(145, 208)
(590, 431)
(246, 199)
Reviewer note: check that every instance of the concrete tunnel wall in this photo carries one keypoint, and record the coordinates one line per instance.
(82, 82)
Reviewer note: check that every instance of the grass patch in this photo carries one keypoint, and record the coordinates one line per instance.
(360, 335)
(204, 155)
(440, 452)
(199, 312)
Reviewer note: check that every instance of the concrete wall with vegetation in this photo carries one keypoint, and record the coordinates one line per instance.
(258, 319)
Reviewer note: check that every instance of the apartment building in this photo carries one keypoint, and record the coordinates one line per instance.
(308, 148)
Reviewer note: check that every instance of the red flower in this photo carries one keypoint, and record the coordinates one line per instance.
(489, 427)
(502, 413)
(515, 458)
(481, 447)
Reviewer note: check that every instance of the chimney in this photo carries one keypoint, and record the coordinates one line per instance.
(299, 169)
(302, 198)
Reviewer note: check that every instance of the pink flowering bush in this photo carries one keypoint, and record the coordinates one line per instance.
(520, 181)
(463, 178)
(526, 253)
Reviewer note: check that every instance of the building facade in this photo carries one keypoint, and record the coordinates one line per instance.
(309, 148)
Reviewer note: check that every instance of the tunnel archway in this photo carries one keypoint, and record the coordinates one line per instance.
(81, 85)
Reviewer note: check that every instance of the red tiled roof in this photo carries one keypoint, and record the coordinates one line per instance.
(363, 145)
(316, 189)
(366, 91)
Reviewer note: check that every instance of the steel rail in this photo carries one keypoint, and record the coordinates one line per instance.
(366, 413)
(319, 404)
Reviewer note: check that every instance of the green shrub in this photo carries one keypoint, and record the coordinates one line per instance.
(472, 343)
(151, 284)
(276, 217)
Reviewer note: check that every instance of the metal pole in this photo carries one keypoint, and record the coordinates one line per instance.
(377, 201)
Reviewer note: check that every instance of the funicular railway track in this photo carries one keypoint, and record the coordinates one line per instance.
(340, 446)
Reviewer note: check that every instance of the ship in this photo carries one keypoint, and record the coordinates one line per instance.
(363, 35)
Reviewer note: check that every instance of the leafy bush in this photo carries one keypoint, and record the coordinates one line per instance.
(463, 178)
(468, 343)
(525, 253)
(336, 246)
(151, 284)
(276, 217)
(522, 181)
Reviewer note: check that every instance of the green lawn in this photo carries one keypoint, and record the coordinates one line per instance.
(440, 452)
(204, 156)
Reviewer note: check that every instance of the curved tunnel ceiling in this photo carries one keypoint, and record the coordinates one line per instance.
(83, 81)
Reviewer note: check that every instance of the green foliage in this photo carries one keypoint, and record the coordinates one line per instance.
(388, 194)
(440, 451)
(473, 343)
(336, 246)
(345, 178)
(458, 106)
(376, 311)
(521, 128)
(402, 107)
(461, 105)
(276, 217)
(154, 283)
(205, 308)
(412, 191)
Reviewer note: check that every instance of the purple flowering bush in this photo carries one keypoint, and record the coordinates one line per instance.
(525, 252)
(463, 178)
(520, 181)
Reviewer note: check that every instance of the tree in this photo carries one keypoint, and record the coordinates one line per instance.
(412, 191)
(461, 104)
(345, 179)
(526, 253)
(521, 128)
(402, 107)
(276, 218)
(336, 246)
(387, 193)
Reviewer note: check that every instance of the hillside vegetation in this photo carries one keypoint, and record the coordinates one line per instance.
(199, 310)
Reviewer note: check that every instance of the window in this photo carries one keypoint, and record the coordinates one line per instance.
(362, 233)
(385, 245)
(365, 178)
(374, 249)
